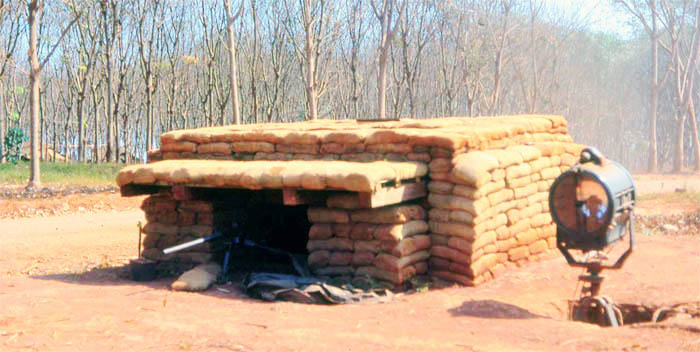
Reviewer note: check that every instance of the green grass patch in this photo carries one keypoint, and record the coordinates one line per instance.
(71, 173)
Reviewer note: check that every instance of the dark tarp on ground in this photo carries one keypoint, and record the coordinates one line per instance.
(310, 290)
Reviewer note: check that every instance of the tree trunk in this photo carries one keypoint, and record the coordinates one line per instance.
(694, 129)
(2, 126)
(679, 161)
(309, 48)
(653, 166)
(233, 70)
(34, 82)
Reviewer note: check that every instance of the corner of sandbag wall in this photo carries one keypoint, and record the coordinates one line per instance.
(491, 210)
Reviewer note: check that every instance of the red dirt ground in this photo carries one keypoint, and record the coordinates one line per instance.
(61, 289)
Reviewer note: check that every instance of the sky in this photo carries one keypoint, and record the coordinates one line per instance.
(603, 16)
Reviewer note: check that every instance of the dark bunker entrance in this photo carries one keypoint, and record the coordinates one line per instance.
(259, 233)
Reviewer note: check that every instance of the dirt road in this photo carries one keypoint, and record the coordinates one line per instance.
(60, 291)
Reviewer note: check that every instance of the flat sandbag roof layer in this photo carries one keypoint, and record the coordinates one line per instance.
(451, 133)
(255, 175)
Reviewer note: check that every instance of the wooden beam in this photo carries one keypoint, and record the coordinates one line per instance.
(393, 195)
(131, 190)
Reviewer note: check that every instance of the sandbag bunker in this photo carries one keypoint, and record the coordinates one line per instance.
(459, 199)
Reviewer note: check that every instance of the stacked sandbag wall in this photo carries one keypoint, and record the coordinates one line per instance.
(170, 222)
(388, 244)
(491, 210)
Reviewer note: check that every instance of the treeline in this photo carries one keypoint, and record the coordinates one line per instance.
(129, 70)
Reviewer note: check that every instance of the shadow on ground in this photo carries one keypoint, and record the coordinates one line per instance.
(492, 309)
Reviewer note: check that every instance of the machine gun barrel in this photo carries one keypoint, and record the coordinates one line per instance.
(192, 243)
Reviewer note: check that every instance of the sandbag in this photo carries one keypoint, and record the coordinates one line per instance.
(197, 279)
(389, 215)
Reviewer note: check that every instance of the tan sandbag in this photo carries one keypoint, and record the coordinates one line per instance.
(211, 148)
(522, 181)
(538, 197)
(197, 279)
(440, 165)
(343, 201)
(398, 232)
(525, 191)
(438, 214)
(550, 173)
(491, 187)
(518, 253)
(335, 244)
(526, 237)
(501, 196)
(503, 232)
(158, 228)
(252, 147)
(437, 263)
(543, 186)
(484, 190)
(460, 244)
(126, 175)
(326, 215)
(363, 231)
(498, 174)
(362, 258)
(373, 246)
(423, 157)
(321, 231)
(337, 148)
(452, 229)
(385, 136)
(535, 177)
(459, 216)
(491, 224)
(506, 158)
(541, 219)
(531, 210)
(477, 267)
(389, 215)
(540, 164)
(398, 148)
(449, 253)
(179, 147)
(334, 270)
(196, 230)
(475, 207)
(555, 160)
(527, 152)
(197, 206)
(342, 230)
(516, 171)
(150, 240)
(538, 247)
(318, 259)
(437, 239)
(521, 226)
(144, 175)
(568, 160)
(440, 187)
(484, 239)
(293, 148)
(506, 244)
(406, 273)
(411, 245)
(394, 264)
(453, 277)
(338, 258)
